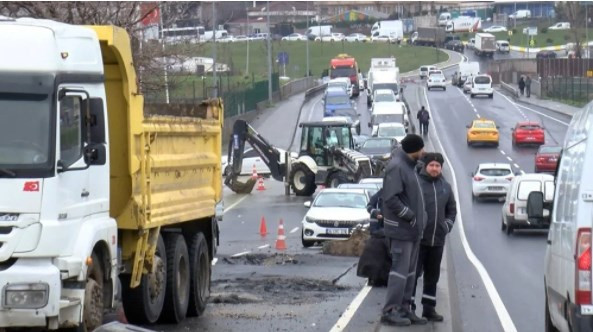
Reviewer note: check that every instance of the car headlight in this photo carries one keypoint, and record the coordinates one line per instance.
(309, 219)
(385, 156)
(26, 296)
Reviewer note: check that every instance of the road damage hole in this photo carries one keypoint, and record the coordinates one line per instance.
(262, 259)
(277, 290)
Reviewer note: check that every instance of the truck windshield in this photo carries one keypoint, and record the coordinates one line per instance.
(24, 130)
(343, 72)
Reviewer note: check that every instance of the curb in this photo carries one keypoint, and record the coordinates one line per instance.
(524, 102)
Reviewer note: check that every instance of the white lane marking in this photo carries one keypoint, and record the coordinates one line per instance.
(351, 310)
(241, 254)
(503, 153)
(517, 166)
(534, 111)
(294, 230)
(522, 172)
(264, 246)
(509, 159)
(234, 204)
(214, 261)
(503, 315)
(312, 109)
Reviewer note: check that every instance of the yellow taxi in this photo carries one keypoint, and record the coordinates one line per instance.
(482, 131)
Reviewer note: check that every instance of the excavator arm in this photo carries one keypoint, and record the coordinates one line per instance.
(242, 133)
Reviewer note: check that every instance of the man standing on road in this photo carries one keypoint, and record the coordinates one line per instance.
(404, 218)
(423, 118)
(441, 211)
(528, 86)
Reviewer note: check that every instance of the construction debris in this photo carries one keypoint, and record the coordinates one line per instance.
(351, 247)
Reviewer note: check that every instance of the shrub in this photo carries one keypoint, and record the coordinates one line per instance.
(544, 30)
(549, 41)
(514, 31)
(465, 35)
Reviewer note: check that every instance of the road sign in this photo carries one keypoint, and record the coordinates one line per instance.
(510, 32)
(532, 42)
(282, 58)
(532, 31)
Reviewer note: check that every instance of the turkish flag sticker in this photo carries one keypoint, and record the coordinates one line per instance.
(31, 186)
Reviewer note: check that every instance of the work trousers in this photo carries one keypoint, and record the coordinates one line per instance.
(424, 128)
(429, 264)
(402, 275)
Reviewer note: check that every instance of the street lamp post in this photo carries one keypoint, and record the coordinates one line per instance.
(307, 39)
(269, 55)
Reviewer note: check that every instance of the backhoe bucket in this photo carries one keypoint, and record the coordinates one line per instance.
(238, 186)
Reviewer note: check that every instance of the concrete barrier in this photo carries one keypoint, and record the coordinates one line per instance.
(509, 88)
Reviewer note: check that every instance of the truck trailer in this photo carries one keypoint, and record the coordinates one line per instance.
(96, 191)
(429, 37)
(485, 44)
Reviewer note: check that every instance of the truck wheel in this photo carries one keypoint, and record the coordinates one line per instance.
(92, 315)
(143, 304)
(302, 180)
(336, 178)
(199, 290)
(178, 279)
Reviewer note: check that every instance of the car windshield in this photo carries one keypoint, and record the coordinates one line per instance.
(341, 199)
(390, 86)
(384, 97)
(495, 171)
(343, 72)
(550, 149)
(381, 118)
(484, 125)
(391, 131)
(482, 80)
(332, 100)
(377, 143)
(341, 85)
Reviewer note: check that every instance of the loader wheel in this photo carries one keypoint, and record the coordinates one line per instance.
(200, 275)
(178, 279)
(336, 178)
(302, 180)
(143, 304)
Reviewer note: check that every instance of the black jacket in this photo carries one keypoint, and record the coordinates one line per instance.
(404, 214)
(374, 208)
(423, 116)
(441, 209)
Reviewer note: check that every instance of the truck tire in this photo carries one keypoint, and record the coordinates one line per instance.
(144, 304)
(302, 180)
(199, 260)
(336, 178)
(178, 279)
(92, 316)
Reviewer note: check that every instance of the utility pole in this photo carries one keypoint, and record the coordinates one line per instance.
(214, 76)
(166, 60)
(269, 55)
(307, 40)
(587, 28)
(247, 34)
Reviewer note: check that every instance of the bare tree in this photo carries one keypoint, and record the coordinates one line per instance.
(574, 12)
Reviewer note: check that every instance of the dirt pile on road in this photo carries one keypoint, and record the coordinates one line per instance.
(351, 247)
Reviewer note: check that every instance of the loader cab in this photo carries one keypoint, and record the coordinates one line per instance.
(318, 138)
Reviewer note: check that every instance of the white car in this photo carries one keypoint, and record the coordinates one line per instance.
(378, 181)
(495, 28)
(356, 37)
(560, 26)
(394, 130)
(383, 39)
(514, 210)
(241, 38)
(341, 82)
(424, 70)
(503, 46)
(250, 159)
(333, 214)
(226, 39)
(482, 85)
(384, 96)
(471, 44)
(491, 180)
(333, 37)
(294, 37)
(436, 81)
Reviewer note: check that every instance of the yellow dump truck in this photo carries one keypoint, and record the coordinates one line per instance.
(96, 191)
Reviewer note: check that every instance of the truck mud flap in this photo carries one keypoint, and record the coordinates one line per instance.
(240, 187)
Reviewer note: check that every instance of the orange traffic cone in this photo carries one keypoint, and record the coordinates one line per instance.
(263, 230)
(254, 173)
(260, 184)
(281, 240)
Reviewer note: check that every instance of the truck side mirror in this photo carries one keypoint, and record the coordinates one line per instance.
(95, 154)
(535, 205)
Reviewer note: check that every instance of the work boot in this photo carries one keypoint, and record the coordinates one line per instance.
(395, 318)
(415, 320)
(431, 314)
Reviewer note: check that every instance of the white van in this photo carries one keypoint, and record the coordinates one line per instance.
(482, 85)
(567, 263)
(444, 18)
(503, 46)
(388, 112)
(519, 14)
(514, 210)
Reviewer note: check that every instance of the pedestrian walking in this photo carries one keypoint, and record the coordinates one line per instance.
(441, 211)
(423, 119)
(528, 86)
(404, 218)
(521, 85)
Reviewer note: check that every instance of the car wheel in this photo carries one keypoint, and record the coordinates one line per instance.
(503, 227)
(444, 88)
(491, 96)
(496, 144)
(306, 243)
(428, 88)
(472, 95)
(469, 143)
(509, 229)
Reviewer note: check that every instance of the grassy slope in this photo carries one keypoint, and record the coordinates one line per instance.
(549, 38)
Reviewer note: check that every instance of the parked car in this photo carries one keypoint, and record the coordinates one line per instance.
(241, 38)
(495, 28)
(226, 39)
(356, 37)
(546, 55)
(520, 14)
(436, 81)
(333, 37)
(455, 45)
(503, 46)
(383, 39)
(423, 71)
(294, 37)
(560, 26)
(514, 209)
(546, 158)
(491, 180)
(333, 214)
(528, 133)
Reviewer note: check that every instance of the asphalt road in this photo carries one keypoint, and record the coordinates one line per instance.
(515, 263)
